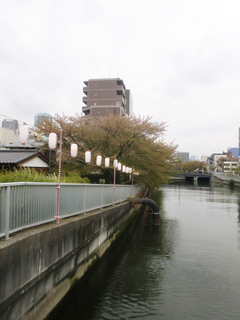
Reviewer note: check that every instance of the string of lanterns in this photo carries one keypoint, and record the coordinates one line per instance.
(52, 143)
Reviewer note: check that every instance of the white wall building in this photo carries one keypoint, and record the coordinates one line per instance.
(204, 158)
(230, 166)
(215, 158)
(7, 136)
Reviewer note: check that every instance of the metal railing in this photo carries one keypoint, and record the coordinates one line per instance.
(27, 204)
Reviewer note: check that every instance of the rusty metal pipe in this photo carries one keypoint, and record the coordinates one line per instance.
(148, 202)
(154, 207)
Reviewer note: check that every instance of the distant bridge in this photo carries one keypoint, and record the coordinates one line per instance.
(196, 176)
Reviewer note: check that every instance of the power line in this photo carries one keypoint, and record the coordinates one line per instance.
(16, 119)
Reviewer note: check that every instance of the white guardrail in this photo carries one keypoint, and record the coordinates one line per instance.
(28, 204)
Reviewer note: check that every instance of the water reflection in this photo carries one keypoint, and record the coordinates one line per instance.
(188, 268)
(125, 281)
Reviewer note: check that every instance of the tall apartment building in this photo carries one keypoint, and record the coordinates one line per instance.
(40, 117)
(10, 124)
(183, 156)
(239, 142)
(106, 96)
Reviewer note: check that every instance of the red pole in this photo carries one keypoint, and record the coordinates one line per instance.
(59, 178)
(132, 181)
(114, 178)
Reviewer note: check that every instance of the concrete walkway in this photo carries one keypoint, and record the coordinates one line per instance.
(224, 179)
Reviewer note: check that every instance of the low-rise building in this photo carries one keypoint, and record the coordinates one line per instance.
(215, 158)
(7, 136)
(18, 158)
(228, 163)
(204, 159)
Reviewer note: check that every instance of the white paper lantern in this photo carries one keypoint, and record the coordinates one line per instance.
(130, 170)
(127, 170)
(74, 150)
(119, 166)
(52, 140)
(123, 168)
(23, 134)
(88, 156)
(107, 162)
(99, 160)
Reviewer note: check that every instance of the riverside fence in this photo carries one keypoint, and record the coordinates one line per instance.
(28, 204)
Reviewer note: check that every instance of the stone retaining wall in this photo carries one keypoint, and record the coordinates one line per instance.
(40, 265)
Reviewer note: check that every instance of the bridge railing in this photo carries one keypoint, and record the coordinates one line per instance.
(28, 204)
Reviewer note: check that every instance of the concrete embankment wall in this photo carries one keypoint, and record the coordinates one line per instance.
(233, 182)
(40, 265)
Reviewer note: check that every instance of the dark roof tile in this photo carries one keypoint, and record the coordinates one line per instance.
(16, 156)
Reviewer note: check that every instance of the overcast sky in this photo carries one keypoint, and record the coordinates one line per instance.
(179, 58)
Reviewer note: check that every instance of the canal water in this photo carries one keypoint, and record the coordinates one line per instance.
(187, 268)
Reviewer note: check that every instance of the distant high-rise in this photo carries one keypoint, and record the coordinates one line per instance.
(234, 151)
(106, 96)
(10, 124)
(183, 156)
(239, 142)
(40, 117)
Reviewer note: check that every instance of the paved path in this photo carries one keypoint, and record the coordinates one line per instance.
(225, 177)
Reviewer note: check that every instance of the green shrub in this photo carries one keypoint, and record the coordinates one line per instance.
(28, 175)
(73, 177)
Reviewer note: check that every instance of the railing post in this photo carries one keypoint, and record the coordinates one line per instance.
(84, 199)
(7, 214)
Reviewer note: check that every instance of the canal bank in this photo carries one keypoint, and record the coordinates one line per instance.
(39, 266)
(232, 182)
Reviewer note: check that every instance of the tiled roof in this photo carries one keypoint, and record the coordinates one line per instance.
(16, 156)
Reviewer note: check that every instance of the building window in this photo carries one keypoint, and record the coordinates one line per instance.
(95, 84)
(95, 93)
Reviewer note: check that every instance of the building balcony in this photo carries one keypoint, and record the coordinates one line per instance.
(85, 90)
(121, 88)
(85, 100)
